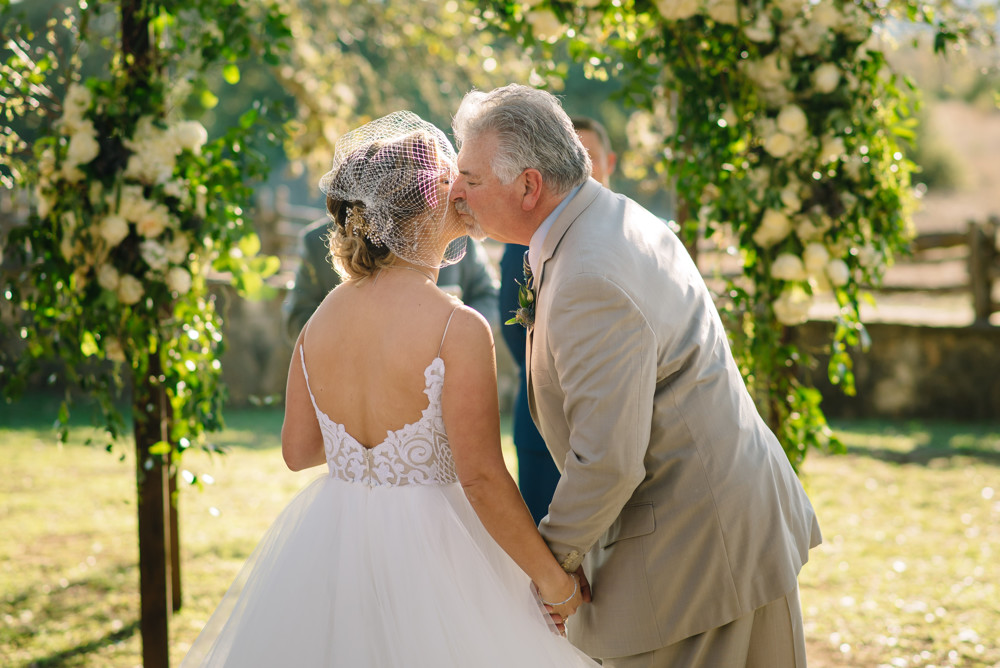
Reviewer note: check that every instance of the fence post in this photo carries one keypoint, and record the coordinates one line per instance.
(982, 254)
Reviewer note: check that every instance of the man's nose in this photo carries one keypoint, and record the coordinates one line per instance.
(457, 191)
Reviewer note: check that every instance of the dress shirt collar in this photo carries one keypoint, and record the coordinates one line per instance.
(538, 238)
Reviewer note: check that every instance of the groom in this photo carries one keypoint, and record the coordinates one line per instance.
(675, 497)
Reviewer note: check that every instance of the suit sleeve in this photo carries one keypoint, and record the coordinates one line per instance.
(605, 358)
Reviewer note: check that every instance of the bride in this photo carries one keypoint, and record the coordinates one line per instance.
(416, 549)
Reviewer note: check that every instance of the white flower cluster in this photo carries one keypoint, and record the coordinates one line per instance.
(131, 209)
(155, 150)
(796, 38)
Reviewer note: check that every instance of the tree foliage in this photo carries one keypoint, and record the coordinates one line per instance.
(134, 204)
(780, 124)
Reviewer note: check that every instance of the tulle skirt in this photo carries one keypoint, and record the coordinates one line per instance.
(351, 575)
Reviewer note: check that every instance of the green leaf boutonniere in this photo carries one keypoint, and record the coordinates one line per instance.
(525, 314)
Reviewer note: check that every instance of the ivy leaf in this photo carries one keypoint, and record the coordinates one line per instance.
(231, 73)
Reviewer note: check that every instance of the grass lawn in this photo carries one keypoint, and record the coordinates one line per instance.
(907, 575)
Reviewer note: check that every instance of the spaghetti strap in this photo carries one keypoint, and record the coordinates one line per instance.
(446, 325)
(305, 372)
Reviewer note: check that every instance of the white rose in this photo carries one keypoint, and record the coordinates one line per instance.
(826, 14)
(151, 164)
(788, 267)
(129, 290)
(44, 201)
(545, 25)
(815, 257)
(132, 205)
(789, 8)
(114, 228)
(677, 10)
(857, 23)
(768, 72)
(113, 350)
(837, 272)
(826, 77)
(831, 149)
(179, 280)
(775, 97)
(175, 188)
(792, 120)
(177, 250)
(71, 173)
(82, 148)
(761, 31)
(154, 222)
(723, 11)
(792, 306)
(808, 229)
(68, 247)
(868, 256)
(154, 153)
(68, 221)
(75, 105)
(774, 226)
(190, 135)
(805, 38)
(78, 99)
(778, 144)
(790, 198)
(154, 254)
(107, 277)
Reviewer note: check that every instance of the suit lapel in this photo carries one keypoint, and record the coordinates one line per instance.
(586, 195)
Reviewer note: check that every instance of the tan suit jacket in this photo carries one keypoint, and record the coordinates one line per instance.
(679, 495)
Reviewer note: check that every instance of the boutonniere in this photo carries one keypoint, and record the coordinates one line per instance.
(525, 314)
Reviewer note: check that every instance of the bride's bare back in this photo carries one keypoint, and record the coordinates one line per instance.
(367, 347)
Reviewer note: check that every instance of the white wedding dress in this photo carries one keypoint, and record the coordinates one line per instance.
(382, 563)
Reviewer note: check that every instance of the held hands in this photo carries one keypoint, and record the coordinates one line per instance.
(562, 599)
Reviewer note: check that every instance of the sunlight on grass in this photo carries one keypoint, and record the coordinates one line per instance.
(905, 576)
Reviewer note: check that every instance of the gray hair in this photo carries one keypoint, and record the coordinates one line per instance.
(533, 132)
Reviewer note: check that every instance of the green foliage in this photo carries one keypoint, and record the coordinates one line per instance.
(781, 127)
(134, 205)
(354, 61)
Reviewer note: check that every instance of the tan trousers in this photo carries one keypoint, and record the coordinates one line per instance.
(769, 637)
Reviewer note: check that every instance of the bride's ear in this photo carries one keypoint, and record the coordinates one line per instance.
(532, 189)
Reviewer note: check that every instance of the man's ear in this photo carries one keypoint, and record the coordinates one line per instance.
(532, 189)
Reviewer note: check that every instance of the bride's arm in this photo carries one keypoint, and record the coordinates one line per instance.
(301, 438)
(472, 420)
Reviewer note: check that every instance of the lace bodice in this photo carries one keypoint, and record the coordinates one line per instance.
(416, 454)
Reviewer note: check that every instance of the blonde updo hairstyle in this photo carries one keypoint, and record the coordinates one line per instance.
(357, 241)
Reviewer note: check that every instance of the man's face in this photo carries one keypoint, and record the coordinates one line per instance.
(603, 162)
(487, 206)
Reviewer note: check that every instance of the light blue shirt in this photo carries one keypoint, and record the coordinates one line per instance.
(538, 238)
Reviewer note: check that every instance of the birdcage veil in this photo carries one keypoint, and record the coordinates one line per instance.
(393, 176)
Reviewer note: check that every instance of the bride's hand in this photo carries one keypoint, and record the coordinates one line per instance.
(561, 599)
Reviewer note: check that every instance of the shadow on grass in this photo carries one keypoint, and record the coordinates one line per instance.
(921, 443)
(71, 607)
(60, 658)
(252, 427)
(925, 454)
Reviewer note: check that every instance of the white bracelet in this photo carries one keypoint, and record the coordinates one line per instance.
(576, 588)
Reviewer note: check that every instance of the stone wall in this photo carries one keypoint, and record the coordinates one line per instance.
(909, 371)
(914, 372)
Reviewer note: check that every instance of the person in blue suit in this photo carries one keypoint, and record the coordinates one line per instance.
(537, 473)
